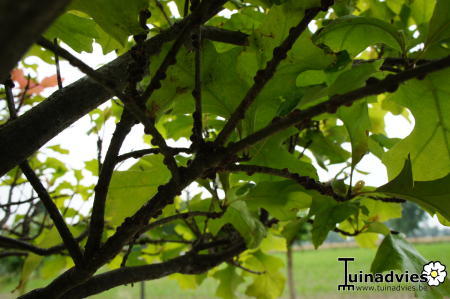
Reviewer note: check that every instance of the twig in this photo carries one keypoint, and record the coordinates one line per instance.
(9, 85)
(236, 264)
(161, 8)
(10, 243)
(140, 153)
(58, 220)
(187, 215)
(197, 129)
(305, 181)
(58, 71)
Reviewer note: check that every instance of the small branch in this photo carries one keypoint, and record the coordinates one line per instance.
(144, 241)
(305, 181)
(161, 8)
(58, 70)
(197, 137)
(12, 253)
(101, 189)
(302, 117)
(58, 220)
(10, 243)
(9, 85)
(187, 215)
(387, 199)
(127, 253)
(224, 36)
(151, 151)
(236, 264)
(263, 76)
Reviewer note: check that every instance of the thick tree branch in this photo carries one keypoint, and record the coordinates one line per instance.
(22, 22)
(302, 117)
(264, 75)
(190, 263)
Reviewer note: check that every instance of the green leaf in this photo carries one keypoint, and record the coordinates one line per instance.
(422, 10)
(381, 211)
(229, 282)
(282, 199)
(428, 144)
(356, 120)
(439, 29)
(327, 214)
(431, 195)
(248, 226)
(118, 18)
(272, 153)
(77, 32)
(395, 253)
(367, 240)
(354, 34)
(354, 78)
(130, 189)
(270, 284)
(294, 229)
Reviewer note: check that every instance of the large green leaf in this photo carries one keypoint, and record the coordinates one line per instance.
(272, 153)
(429, 147)
(75, 31)
(282, 199)
(270, 283)
(117, 17)
(395, 253)
(229, 282)
(422, 10)
(439, 29)
(130, 189)
(248, 226)
(356, 120)
(328, 213)
(354, 34)
(431, 195)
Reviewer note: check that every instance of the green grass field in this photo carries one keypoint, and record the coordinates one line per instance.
(317, 274)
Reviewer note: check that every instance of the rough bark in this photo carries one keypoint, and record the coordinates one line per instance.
(22, 22)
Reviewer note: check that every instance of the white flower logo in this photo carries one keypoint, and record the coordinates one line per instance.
(435, 273)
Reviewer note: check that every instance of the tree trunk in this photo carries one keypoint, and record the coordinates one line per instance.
(22, 22)
(290, 272)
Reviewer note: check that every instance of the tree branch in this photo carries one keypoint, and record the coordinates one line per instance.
(302, 117)
(197, 129)
(22, 23)
(101, 189)
(58, 220)
(190, 263)
(305, 181)
(150, 151)
(11, 243)
(263, 76)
